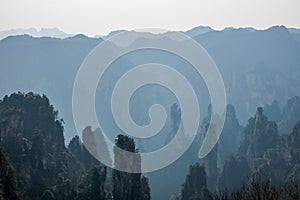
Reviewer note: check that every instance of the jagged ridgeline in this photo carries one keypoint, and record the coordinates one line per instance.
(266, 165)
(36, 164)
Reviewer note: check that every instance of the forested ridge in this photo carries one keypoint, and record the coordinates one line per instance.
(258, 161)
(36, 164)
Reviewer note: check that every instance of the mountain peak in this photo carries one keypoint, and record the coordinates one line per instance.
(278, 28)
(198, 31)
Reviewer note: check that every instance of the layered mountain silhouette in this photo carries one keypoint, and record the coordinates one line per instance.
(257, 66)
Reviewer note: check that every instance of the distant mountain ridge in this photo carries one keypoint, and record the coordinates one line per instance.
(57, 33)
(43, 32)
(257, 67)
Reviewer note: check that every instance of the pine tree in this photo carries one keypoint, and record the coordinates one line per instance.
(128, 186)
(8, 177)
(97, 183)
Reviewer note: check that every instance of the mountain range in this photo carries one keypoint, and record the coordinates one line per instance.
(257, 66)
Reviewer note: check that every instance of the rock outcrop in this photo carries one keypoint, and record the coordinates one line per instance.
(128, 186)
(195, 186)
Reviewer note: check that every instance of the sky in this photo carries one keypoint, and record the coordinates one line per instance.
(96, 17)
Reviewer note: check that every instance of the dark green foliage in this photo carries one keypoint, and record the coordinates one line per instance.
(92, 187)
(8, 189)
(126, 143)
(31, 132)
(129, 159)
(27, 113)
(97, 183)
(195, 187)
(33, 136)
(79, 150)
(64, 189)
(128, 186)
(145, 189)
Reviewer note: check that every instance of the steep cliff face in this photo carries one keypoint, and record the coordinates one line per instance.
(294, 138)
(210, 161)
(281, 164)
(290, 115)
(195, 186)
(128, 186)
(211, 168)
(260, 134)
(235, 173)
(285, 117)
(80, 152)
(171, 177)
(264, 160)
(226, 146)
(273, 111)
(28, 115)
(263, 155)
(32, 134)
(231, 135)
(8, 187)
(92, 187)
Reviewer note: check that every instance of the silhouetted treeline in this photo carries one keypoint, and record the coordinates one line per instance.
(41, 167)
(265, 191)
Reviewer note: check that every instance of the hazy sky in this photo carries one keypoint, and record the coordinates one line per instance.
(100, 17)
